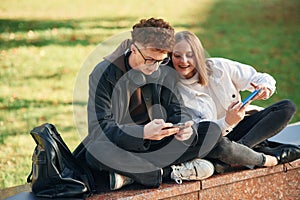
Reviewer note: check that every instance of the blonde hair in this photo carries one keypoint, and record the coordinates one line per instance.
(198, 50)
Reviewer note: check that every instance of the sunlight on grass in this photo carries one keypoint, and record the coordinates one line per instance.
(114, 10)
(42, 48)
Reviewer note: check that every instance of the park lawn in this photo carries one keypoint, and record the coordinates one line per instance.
(264, 34)
(44, 44)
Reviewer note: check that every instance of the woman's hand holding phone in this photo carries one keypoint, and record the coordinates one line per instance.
(264, 92)
(235, 113)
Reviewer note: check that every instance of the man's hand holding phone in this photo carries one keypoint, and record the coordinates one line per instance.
(158, 129)
(179, 125)
(185, 132)
(154, 130)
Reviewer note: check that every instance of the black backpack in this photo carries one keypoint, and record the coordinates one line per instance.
(56, 172)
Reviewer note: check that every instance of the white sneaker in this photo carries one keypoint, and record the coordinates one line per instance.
(197, 169)
(116, 181)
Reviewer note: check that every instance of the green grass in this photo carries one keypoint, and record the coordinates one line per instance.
(43, 45)
(264, 34)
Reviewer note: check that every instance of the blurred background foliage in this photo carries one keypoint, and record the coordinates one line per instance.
(43, 45)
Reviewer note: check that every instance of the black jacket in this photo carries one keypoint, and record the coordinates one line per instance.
(110, 88)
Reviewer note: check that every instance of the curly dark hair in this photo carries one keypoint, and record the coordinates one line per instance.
(155, 33)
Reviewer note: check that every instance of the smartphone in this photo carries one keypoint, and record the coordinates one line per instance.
(178, 125)
(251, 96)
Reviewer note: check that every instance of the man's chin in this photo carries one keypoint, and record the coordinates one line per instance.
(148, 73)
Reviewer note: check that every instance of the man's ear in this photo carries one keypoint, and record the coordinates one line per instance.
(132, 49)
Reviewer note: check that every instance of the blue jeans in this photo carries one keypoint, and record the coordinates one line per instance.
(236, 147)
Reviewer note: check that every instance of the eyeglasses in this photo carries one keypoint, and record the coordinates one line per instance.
(151, 61)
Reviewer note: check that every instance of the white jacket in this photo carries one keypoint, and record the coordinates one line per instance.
(225, 82)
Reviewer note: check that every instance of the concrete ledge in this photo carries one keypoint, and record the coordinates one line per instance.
(166, 190)
(261, 183)
(8, 192)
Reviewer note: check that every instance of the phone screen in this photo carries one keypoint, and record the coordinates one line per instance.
(179, 125)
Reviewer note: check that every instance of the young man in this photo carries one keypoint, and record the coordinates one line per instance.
(132, 107)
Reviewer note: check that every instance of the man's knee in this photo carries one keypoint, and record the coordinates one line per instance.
(208, 127)
(212, 131)
(91, 160)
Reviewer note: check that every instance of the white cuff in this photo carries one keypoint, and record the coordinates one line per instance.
(225, 128)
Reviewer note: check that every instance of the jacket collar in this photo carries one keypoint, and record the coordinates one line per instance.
(216, 73)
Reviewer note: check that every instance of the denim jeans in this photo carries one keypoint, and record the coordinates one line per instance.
(236, 147)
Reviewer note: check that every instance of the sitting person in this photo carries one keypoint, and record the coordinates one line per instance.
(210, 89)
(132, 106)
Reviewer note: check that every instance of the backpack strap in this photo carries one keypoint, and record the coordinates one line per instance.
(29, 177)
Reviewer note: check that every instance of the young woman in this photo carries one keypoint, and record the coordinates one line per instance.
(210, 88)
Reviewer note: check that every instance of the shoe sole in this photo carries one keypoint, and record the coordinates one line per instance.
(112, 182)
(210, 166)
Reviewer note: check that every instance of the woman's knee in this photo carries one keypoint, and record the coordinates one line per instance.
(291, 106)
(287, 109)
(287, 105)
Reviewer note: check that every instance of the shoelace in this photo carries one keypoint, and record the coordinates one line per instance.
(178, 176)
(284, 167)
